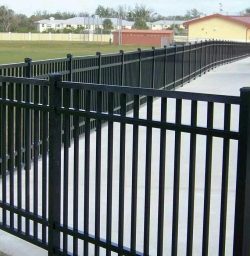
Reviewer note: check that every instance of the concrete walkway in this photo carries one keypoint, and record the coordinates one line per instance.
(226, 80)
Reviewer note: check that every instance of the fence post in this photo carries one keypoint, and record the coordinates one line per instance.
(122, 67)
(201, 58)
(195, 60)
(242, 206)
(28, 69)
(27, 132)
(165, 65)
(205, 56)
(99, 67)
(139, 75)
(183, 64)
(153, 68)
(189, 62)
(1, 121)
(175, 53)
(212, 54)
(55, 131)
(70, 67)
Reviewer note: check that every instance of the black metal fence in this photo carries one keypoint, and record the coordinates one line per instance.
(119, 189)
(165, 68)
(154, 68)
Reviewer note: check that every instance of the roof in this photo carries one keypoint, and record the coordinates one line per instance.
(244, 20)
(51, 22)
(145, 31)
(85, 21)
(167, 22)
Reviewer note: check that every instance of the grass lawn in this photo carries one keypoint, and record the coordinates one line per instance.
(16, 51)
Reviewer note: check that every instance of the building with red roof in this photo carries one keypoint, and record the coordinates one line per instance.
(218, 26)
(143, 37)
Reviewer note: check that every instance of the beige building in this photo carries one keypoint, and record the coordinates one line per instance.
(165, 24)
(88, 23)
(218, 26)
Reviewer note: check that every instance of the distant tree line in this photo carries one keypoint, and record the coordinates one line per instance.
(139, 14)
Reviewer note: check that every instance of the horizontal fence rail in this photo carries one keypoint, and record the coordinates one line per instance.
(94, 169)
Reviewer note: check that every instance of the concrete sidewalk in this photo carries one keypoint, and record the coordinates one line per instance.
(226, 80)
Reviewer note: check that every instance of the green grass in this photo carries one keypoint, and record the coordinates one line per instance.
(16, 51)
(3, 254)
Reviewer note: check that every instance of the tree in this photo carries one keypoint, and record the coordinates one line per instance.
(57, 15)
(140, 16)
(140, 24)
(103, 12)
(107, 25)
(6, 19)
(142, 13)
(193, 13)
(23, 24)
(122, 12)
(246, 12)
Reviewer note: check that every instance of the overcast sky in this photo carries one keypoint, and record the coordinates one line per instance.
(164, 7)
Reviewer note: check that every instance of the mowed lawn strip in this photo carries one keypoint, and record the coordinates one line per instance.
(16, 51)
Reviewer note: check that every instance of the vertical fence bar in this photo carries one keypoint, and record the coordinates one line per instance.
(27, 133)
(191, 187)
(148, 176)
(19, 127)
(36, 156)
(224, 192)
(98, 172)
(76, 169)
(99, 108)
(11, 150)
(45, 146)
(66, 130)
(4, 151)
(110, 171)
(55, 131)
(134, 175)
(242, 206)
(176, 179)
(162, 179)
(122, 173)
(208, 174)
(86, 168)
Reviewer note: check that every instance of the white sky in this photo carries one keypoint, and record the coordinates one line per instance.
(164, 7)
